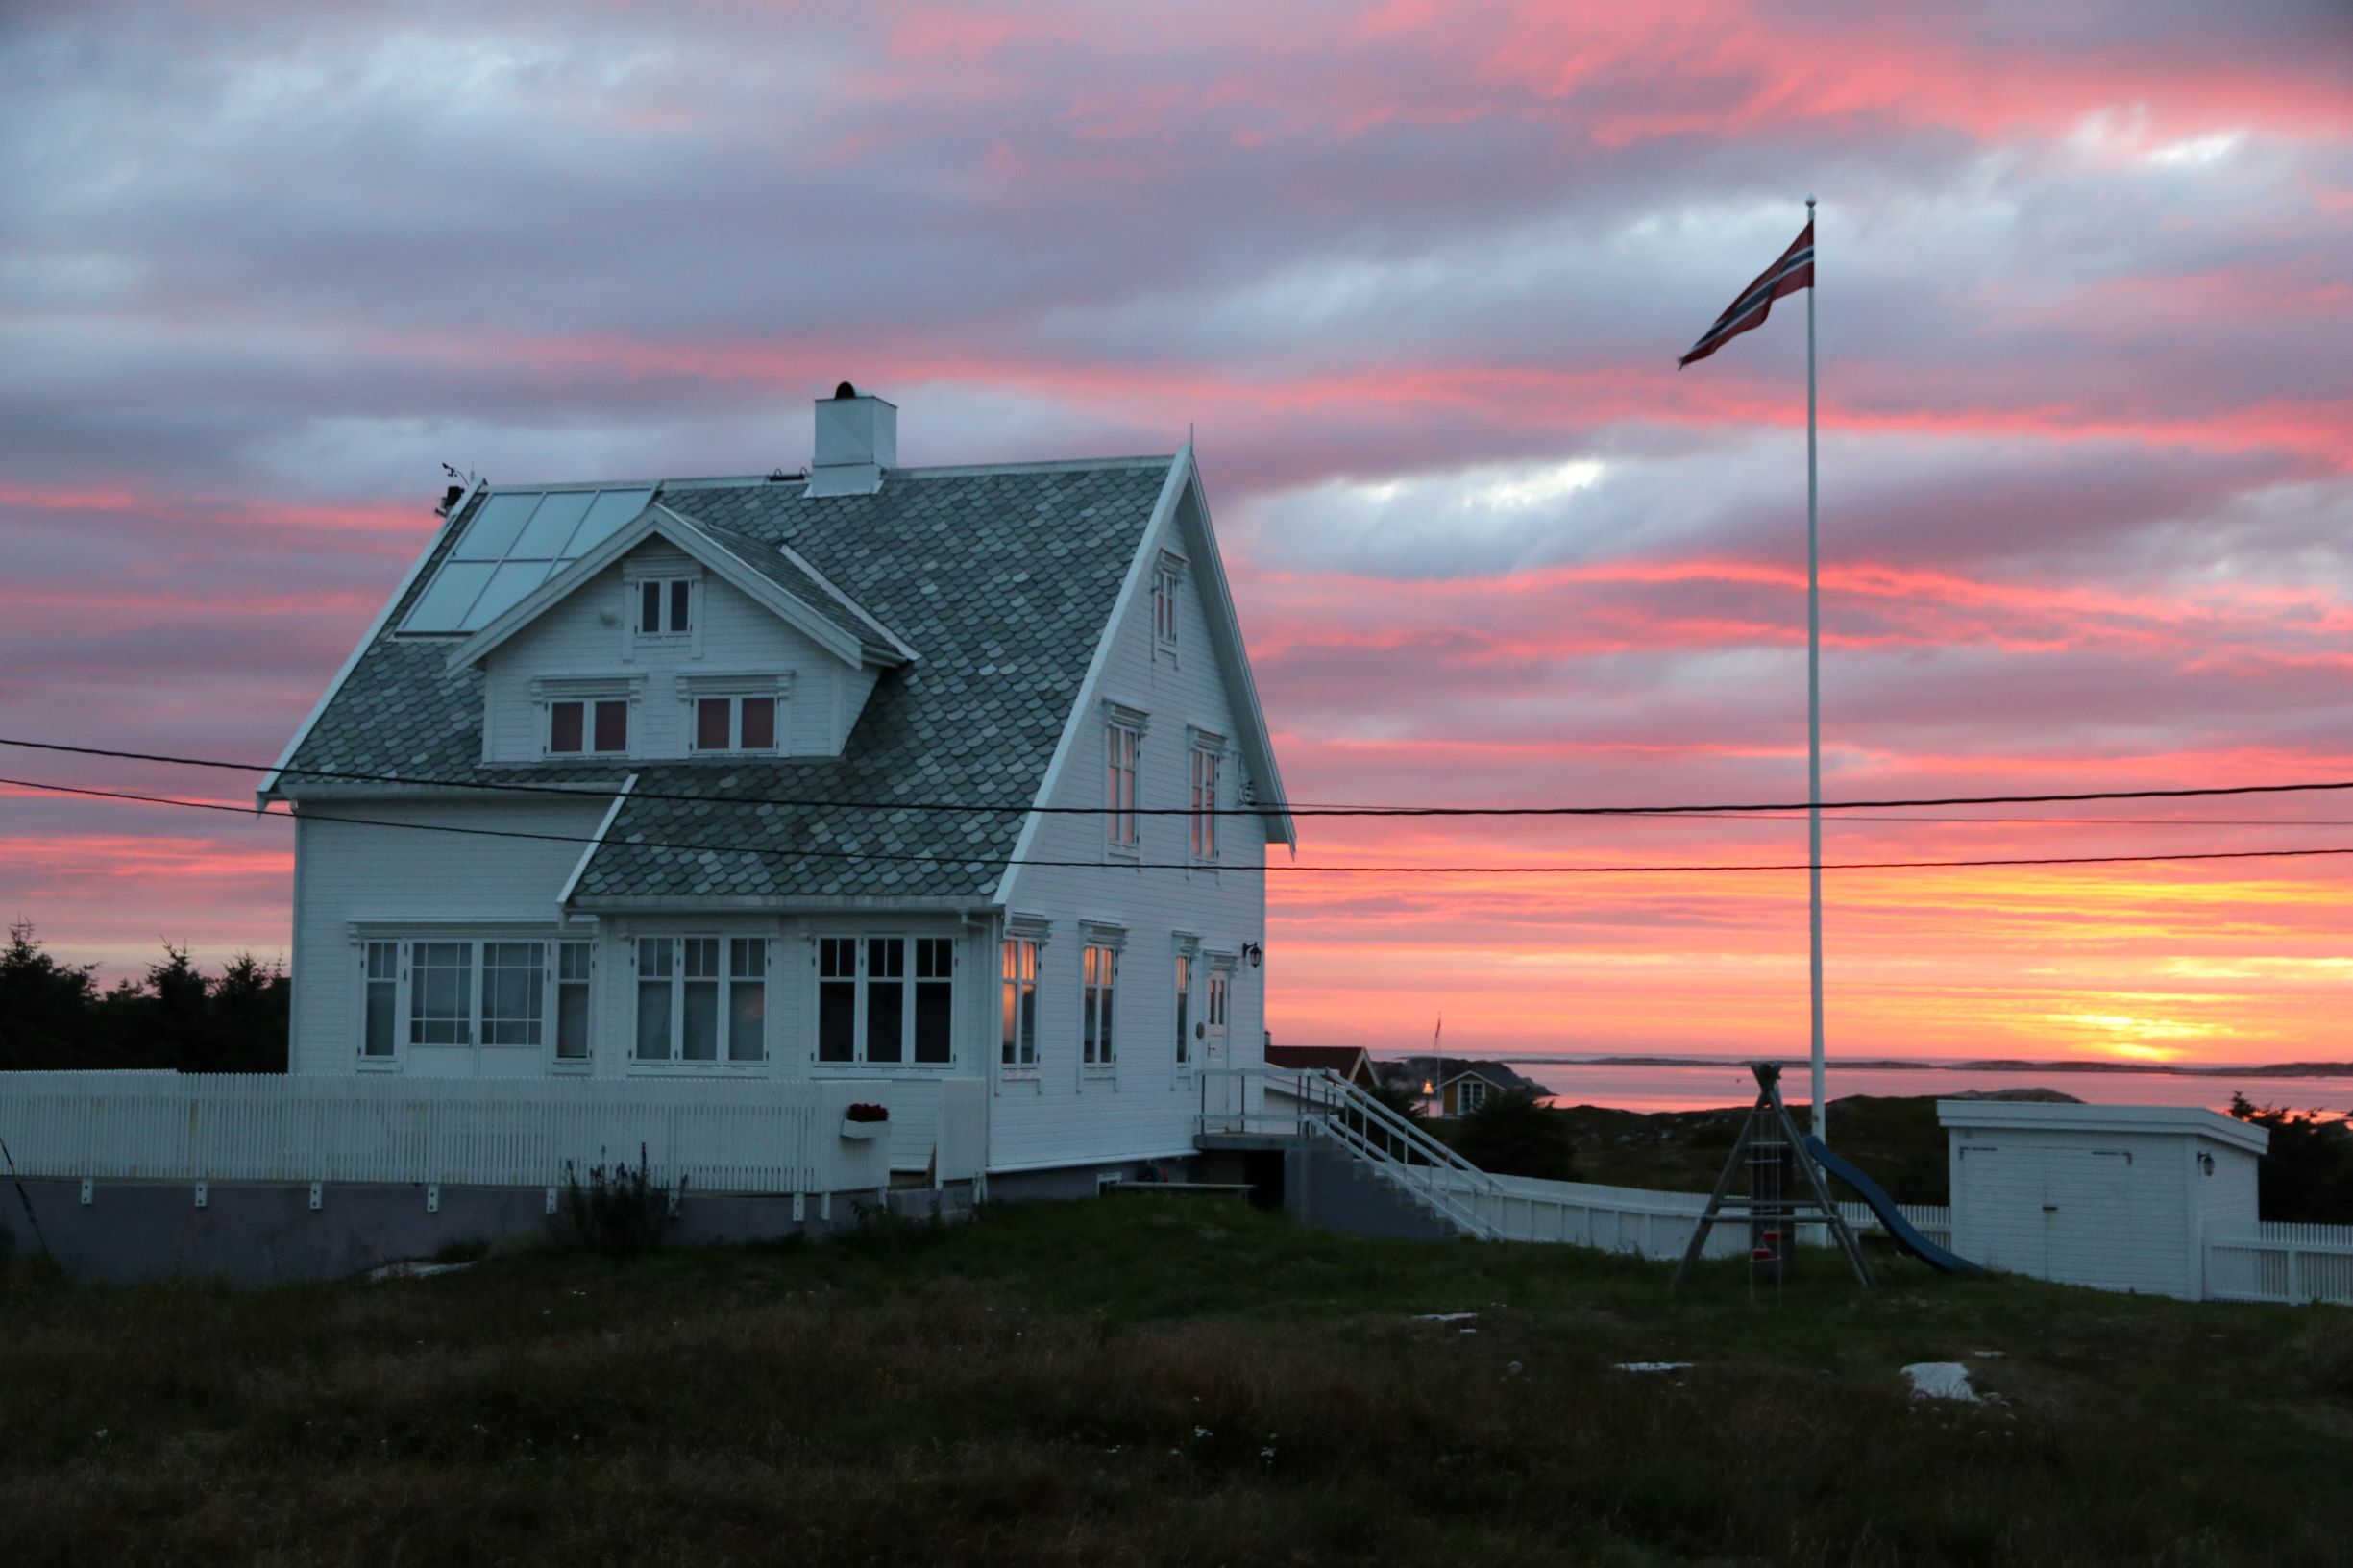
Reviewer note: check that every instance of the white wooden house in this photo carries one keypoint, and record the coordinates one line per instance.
(895, 775)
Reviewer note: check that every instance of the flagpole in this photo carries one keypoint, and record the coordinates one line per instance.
(1813, 686)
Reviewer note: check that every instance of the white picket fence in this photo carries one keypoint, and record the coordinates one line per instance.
(2281, 1262)
(731, 1137)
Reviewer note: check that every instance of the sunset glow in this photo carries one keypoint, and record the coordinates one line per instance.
(1416, 275)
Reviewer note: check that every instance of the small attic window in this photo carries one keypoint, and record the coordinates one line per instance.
(665, 606)
(1168, 591)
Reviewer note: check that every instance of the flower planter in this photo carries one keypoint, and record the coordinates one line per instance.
(861, 1131)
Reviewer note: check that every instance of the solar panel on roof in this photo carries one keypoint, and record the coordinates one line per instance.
(515, 541)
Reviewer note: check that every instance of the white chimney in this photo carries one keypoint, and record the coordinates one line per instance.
(857, 438)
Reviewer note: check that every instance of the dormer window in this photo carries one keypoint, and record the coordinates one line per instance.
(734, 715)
(575, 727)
(735, 723)
(586, 717)
(665, 608)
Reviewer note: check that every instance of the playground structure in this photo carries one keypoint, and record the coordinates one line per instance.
(1768, 1150)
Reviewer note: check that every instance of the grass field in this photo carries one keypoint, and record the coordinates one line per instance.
(1158, 1381)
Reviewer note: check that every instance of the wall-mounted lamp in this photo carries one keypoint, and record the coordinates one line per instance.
(1252, 952)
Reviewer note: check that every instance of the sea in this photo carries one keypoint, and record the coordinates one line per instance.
(1687, 1085)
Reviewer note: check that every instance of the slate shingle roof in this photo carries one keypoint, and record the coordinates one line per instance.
(763, 557)
(1002, 581)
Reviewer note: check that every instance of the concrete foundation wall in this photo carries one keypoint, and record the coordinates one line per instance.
(1326, 1187)
(260, 1234)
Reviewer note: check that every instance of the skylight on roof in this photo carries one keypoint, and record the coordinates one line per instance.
(515, 541)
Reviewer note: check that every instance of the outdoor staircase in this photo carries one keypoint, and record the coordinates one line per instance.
(1391, 1164)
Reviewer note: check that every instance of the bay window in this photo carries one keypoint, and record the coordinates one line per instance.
(473, 993)
(886, 1000)
(680, 1013)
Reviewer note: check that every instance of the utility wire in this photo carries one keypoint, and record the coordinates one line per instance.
(1261, 809)
(1188, 865)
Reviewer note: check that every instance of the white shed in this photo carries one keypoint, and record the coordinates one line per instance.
(2116, 1196)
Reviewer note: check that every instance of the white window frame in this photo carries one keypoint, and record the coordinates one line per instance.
(918, 950)
(1098, 998)
(1020, 970)
(1184, 971)
(1204, 778)
(669, 575)
(388, 960)
(737, 959)
(1167, 602)
(1470, 1093)
(587, 692)
(693, 689)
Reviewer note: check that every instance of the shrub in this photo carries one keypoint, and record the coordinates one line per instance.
(866, 1110)
(618, 1212)
(1516, 1134)
(2308, 1176)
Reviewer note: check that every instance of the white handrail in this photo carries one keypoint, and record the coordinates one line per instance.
(1391, 1146)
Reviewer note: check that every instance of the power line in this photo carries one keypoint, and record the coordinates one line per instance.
(1188, 865)
(1261, 809)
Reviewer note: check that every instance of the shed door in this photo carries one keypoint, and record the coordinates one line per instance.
(2057, 1214)
(2087, 1196)
(2003, 1186)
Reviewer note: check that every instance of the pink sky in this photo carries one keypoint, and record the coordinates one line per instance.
(1417, 274)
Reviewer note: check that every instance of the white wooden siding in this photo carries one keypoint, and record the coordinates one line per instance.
(1144, 1107)
(349, 875)
(588, 635)
(2121, 1211)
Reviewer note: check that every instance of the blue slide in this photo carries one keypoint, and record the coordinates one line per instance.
(1883, 1206)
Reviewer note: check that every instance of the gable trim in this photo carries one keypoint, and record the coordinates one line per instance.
(848, 604)
(688, 535)
(1087, 710)
(595, 842)
(1241, 686)
(376, 629)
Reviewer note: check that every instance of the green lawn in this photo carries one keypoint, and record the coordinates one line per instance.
(1156, 1380)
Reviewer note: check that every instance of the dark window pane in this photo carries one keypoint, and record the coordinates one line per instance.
(886, 1011)
(649, 608)
(653, 1020)
(612, 727)
(571, 1021)
(933, 1014)
(711, 723)
(759, 724)
(837, 1021)
(746, 1019)
(380, 1001)
(564, 727)
(681, 595)
(701, 1019)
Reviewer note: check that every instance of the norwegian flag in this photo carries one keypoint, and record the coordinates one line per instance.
(1794, 271)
